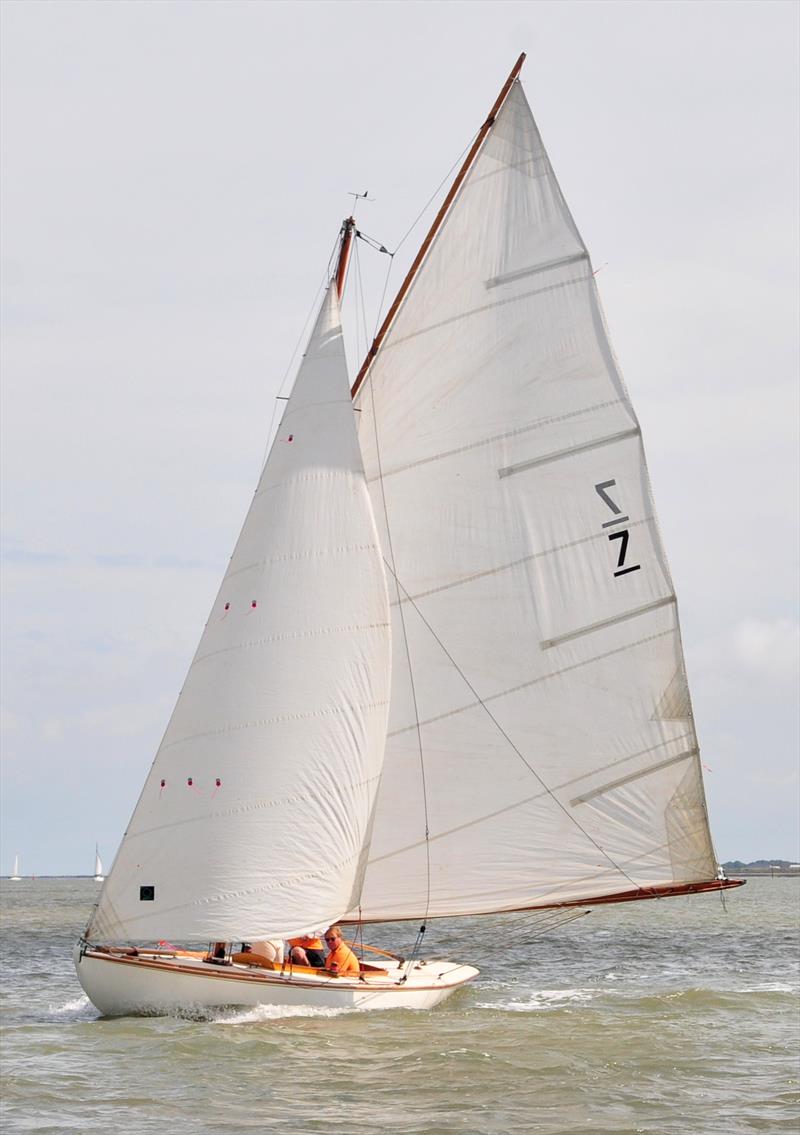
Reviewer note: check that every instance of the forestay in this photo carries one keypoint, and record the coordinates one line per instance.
(258, 805)
(546, 739)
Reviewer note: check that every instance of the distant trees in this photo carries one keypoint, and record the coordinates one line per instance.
(737, 865)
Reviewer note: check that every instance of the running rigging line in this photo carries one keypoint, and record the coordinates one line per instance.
(480, 701)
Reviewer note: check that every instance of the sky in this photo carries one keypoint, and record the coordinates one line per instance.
(173, 178)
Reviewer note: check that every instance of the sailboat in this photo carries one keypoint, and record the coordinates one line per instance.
(99, 877)
(15, 876)
(443, 674)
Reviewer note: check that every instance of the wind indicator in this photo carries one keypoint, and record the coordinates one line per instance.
(359, 197)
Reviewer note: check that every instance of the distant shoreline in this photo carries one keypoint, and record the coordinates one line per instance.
(773, 872)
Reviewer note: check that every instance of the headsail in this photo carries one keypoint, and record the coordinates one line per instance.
(254, 816)
(542, 732)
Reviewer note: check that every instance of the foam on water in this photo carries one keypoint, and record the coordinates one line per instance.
(539, 999)
(770, 987)
(76, 1009)
(262, 1013)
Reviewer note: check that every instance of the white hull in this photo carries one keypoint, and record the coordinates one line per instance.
(99, 878)
(154, 985)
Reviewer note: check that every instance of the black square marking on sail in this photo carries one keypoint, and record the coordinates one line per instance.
(147, 894)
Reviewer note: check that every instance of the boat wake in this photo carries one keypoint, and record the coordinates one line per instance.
(76, 1009)
(261, 1014)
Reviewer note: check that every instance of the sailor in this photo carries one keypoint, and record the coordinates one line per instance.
(307, 951)
(341, 959)
(270, 949)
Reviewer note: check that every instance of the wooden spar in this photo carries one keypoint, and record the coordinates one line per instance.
(345, 248)
(662, 891)
(454, 188)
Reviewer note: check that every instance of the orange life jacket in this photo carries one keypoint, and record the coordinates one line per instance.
(342, 960)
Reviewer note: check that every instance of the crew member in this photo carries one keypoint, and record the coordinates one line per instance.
(341, 958)
(307, 951)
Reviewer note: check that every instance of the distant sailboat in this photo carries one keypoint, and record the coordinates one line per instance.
(15, 875)
(98, 866)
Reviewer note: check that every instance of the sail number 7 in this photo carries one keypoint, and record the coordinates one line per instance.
(620, 534)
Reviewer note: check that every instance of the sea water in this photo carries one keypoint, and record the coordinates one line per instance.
(676, 1015)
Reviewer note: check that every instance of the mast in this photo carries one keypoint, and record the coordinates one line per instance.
(454, 188)
(345, 248)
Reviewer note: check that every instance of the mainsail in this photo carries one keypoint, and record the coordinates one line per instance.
(255, 814)
(540, 746)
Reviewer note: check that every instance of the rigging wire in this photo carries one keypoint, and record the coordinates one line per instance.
(497, 724)
(432, 197)
(410, 676)
(379, 314)
(545, 926)
(373, 243)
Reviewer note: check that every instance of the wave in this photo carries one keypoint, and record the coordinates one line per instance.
(770, 987)
(539, 1000)
(76, 1009)
(260, 1014)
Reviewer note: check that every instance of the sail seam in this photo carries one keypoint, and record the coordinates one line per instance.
(657, 849)
(546, 458)
(303, 406)
(310, 555)
(515, 563)
(536, 796)
(259, 724)
(534, 270)
(483, 703)
(388, 346)
(666, 601)
(258, 806)
(251, 643)
(633, 776)
(541, 423)
(640, 892)
(536, 681)
(630, 757)
(519, 166)
(276, 884)
(300, 479)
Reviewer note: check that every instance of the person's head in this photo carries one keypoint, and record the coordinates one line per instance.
(333, 936)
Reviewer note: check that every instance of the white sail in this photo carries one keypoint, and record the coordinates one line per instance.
(98, 866)
(256, 811)
(15, 875)
(543, 731)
